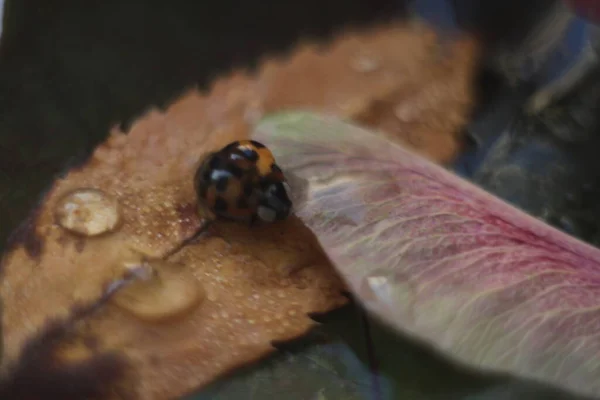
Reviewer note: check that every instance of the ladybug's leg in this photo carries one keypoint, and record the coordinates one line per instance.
(202, 232)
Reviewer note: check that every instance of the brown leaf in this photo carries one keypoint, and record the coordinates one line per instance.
(178, 321)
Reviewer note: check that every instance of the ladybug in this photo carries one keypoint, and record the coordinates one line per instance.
(242, 182)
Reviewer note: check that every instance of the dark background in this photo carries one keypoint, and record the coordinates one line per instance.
(71, 69)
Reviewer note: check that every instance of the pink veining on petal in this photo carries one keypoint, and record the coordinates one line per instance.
(441, 259)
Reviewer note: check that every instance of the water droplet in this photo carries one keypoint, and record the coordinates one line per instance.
(165, 291)
(88, 212)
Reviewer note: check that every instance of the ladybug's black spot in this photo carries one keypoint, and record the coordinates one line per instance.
(214, 163)
(275, 168)
(248, 189)
(203, 191)
(206, 175)
(220, 204)
(221, 184)
(235, 170)
(265, 184)
(258, 145)
(242, 203)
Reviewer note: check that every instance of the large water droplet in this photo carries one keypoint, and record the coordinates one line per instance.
(167, 291)
(88, 212)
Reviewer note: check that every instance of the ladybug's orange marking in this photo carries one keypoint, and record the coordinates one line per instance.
(265, 157)
(265, 161)
(233, 190)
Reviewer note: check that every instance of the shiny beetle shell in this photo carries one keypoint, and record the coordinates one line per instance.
(256, 152)
(242, 182)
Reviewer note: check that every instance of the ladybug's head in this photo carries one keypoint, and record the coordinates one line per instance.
(275, 203)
